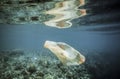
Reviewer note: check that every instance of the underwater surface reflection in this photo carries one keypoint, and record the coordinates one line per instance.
(64, 12)
(95, 35)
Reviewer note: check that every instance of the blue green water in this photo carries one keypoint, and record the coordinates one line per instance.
(100, 38)
(97, 36)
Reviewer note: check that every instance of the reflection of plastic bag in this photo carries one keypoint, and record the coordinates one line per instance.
(65, 53)
(65, 12)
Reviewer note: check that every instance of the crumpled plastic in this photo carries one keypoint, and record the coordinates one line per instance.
(65, 53)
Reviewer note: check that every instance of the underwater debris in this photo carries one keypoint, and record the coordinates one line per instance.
(65, 53)
(64, 12)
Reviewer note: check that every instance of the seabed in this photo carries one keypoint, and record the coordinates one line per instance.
(43, 65)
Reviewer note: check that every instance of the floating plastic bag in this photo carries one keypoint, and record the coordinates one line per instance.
(65, 53)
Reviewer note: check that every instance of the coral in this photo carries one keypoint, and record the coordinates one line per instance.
(21, 65)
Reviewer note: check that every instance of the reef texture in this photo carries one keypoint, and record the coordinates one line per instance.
(26, 65)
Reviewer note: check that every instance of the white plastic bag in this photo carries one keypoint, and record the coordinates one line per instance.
(65, 53)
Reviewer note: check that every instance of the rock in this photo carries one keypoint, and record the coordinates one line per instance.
(32, 69)
(41, 74)
(24, 68)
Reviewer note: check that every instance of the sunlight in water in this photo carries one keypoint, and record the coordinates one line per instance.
(64, 12)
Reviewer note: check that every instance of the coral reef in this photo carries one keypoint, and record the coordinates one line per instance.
(25, 65)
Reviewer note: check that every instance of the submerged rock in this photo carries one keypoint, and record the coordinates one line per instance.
(23, 67)
(65, 53)
(32, 69)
